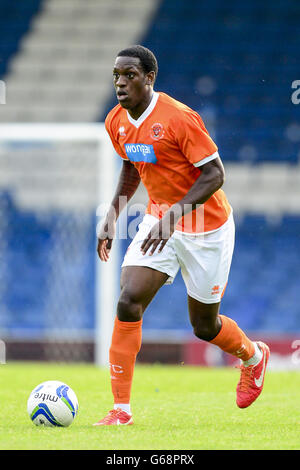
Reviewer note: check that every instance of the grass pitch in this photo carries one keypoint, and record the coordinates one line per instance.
(174, 408)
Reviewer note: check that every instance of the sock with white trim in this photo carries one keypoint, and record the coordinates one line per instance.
(123, 406)
(256, 358)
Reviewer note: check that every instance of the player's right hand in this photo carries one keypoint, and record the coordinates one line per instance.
(106, 235)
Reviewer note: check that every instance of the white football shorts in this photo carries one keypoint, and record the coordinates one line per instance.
(204, 259)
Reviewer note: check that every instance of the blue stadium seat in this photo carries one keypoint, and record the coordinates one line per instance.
(26, 267)
(239, 45)
(15, 19)
(263, 283)
(262, 293)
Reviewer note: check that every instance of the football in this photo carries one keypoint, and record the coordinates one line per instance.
(52, 403)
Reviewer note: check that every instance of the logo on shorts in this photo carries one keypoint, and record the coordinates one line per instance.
(215, 290)
(157, 131)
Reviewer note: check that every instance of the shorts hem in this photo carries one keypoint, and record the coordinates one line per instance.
(215, 300)
(144, 265)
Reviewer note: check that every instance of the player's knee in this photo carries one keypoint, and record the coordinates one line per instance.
(129, 308)
(205, 330)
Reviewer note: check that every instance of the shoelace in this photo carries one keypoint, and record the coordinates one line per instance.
(246, 377)
(110, 416)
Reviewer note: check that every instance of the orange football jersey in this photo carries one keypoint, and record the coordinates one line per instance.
(168, 144)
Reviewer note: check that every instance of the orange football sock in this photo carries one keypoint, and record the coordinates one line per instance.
(126, 343)
(233, 340)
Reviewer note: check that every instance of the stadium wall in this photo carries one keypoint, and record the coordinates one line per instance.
(285, 351)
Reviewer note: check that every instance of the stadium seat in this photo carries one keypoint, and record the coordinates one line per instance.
(264, 254)
(67, 43)
(15, 21)
(252, 88)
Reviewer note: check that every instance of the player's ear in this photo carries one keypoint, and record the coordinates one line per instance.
(150, 78)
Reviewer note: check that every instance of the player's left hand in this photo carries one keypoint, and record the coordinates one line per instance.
(158, 236)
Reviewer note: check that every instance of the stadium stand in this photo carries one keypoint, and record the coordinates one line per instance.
(261, 294)
(226, 60)
(262, 290)
(14, 24)
(60, 70)
(230, 57)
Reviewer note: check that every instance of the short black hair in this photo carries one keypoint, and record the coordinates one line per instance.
(147, 58)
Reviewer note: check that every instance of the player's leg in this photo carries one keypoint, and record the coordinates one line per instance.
(139, 285)
(141, 278)
(205, 263)
(224, 332)
(204, 319)
(209, 325)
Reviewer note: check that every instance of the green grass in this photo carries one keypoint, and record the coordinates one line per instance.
(177, 407)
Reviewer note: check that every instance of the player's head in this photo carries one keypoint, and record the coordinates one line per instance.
(146, 57)
(134, 73)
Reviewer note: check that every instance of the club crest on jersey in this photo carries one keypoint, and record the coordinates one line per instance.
(157, 131)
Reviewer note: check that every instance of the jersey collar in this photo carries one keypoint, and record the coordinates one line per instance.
(146, 113)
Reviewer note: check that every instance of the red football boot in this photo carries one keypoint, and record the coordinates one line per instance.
(115, 417)
(252, 379)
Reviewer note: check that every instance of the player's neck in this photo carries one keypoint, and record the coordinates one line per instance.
(138, 110)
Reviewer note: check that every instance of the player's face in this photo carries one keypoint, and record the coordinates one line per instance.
(133, 87)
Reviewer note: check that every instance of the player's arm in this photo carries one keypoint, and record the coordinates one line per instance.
(209, 181)
(128, 183)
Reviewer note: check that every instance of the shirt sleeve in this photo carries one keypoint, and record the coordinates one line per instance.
(113, 137)
(193, 139)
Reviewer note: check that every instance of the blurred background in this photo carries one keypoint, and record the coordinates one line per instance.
(237, 64)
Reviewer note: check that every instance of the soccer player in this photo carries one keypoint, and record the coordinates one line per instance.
(188, 225)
